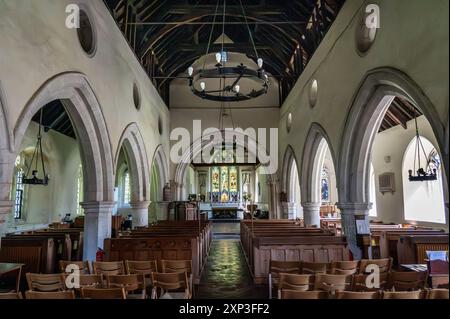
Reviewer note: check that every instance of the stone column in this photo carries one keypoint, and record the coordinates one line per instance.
(349, 211)
(139, 212)
(274, 202)
(6, 208)
(311, 214)
(97, 226)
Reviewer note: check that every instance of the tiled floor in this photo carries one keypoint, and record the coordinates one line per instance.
(226, 275)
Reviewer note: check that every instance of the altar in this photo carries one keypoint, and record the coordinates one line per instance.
(226, 211)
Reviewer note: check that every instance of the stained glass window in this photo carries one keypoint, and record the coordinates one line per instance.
(325, 191)
(19, 194)
(233, 179)
(80, 190)
(126, 188)
(224, 178)
(215, 179)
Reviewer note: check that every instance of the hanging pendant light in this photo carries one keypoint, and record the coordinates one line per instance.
(429, 173)
(34, 178)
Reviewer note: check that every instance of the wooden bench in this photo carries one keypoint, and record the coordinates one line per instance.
(38, 254)
(168, 240)
(267, 240)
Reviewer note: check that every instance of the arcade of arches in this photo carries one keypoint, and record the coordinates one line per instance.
(347, 113)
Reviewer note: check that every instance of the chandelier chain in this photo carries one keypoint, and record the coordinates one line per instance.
(248, 28)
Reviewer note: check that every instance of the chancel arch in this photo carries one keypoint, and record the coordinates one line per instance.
(135, 159)
(378, 90)
(271, 180)
(84, 111)
(317, 179)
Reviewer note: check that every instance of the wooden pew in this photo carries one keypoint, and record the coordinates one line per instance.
(384, 240)
(167, 240)
(37, 253)
(62, 243)
(283, 240)
(76, 236)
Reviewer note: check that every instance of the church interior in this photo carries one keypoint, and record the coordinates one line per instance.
(224, 149)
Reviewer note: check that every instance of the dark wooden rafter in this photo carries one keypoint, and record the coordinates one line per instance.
(169, 35)
(400, 112)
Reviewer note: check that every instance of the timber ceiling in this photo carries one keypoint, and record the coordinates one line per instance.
(169, 35)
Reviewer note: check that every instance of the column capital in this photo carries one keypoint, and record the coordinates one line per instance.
(140, 205)
(97, 207)
(362, 207)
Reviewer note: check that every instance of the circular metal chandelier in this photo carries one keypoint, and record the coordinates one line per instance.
(229, 89)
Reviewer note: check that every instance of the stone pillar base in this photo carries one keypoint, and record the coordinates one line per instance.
(97, 226)
(311, 214)
(349, 211)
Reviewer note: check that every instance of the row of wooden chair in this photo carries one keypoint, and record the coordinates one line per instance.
(351, 274)
(126, 267)
(173, 285)
(394, 281)
(318, 294)
(146, 268)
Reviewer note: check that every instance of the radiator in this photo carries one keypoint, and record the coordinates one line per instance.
(421, 250)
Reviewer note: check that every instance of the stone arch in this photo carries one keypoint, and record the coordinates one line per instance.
(85, 113)
(379, 88)
(316, 146)
(291, 209)
(288, 159)
(160, 163)
(374, 96)
(196, 149)
(134, 147)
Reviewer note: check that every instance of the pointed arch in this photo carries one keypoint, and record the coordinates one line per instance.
(85, 113)
(379, 87)
(134, 148)
(160, 167)
(314, 151)
(286, 179)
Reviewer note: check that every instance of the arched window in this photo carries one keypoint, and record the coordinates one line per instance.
(325, 185)
(19, 193)
(80, 210)
(126, 188)
(423, 200)
(373, 194)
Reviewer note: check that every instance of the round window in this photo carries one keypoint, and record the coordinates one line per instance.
(160, 126)
(313, 91)
(86, 34)
(366, 30)
(289, 122)
(136, 97)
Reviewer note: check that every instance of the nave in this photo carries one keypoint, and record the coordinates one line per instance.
(224, 149)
